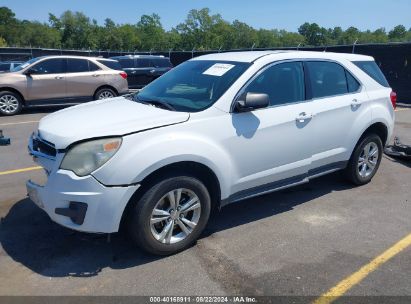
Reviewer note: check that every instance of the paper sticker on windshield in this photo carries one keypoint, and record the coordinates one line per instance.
(218, 69)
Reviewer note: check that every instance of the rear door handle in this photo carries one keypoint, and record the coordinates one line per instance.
(355, 102)
(96, 75)
(303, 117)
(59, 77)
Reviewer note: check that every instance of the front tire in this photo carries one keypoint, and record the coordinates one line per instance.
(171, 215)
(365, 160)
(10, 103)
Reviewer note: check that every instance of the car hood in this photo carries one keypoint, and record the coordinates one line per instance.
(111, 117)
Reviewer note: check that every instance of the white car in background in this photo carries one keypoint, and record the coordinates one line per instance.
(215, 130)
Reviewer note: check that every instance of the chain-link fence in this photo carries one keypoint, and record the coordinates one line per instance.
(393, 58)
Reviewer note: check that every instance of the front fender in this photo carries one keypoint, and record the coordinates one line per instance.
(143, 153)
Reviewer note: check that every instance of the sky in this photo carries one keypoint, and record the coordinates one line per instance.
(279, 14)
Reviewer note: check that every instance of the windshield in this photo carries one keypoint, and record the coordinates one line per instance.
(25, 65)
(194, 85)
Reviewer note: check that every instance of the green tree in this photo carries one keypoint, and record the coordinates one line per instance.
(3, 42)
(398, 33)
(8, 25)
(151, 32)
(313, 33)
(76, 29)
(244, 35)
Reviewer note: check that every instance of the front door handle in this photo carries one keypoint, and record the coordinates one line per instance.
(152, 71)
(96, 75)
(355, 102)
(303, 117)
(59, 77)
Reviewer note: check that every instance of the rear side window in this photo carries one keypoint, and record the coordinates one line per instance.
(114, 65)
(283, 83)
(77, 65)
(127, 63)
(372, 69)
(352, 83)
(143, 63)
(326, 79)
(92, 66)
(161, 63)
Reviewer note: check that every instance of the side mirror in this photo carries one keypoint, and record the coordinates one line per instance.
(251, 101)
(31, 71)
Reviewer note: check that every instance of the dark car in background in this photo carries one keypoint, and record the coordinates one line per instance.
(143, 69)
(7, 66)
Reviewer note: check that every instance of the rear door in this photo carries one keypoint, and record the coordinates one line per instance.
(337, 102)
(160, 66)
(144, 72)
(129, 66)
(83, 78)
(47, 80)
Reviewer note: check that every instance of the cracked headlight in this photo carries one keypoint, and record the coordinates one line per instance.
(88, 156)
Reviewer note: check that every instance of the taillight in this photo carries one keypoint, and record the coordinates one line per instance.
(123, 75)
(393, 97)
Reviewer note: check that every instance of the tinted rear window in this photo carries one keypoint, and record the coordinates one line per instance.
(127, 63)
(326, 79)
(143, 62)
(114, 65)
(161, 63)
(75, 65)
(372, 69)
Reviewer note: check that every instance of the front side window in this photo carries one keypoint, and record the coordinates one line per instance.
(5, 66)
(194, 85)
(283, 83)
(50, 66)
(77, 65)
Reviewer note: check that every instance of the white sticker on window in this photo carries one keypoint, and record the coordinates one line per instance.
(218, 69)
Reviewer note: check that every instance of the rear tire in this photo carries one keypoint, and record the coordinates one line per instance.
(365, 160)
(170, 216)
(10, 103)
(105, 93)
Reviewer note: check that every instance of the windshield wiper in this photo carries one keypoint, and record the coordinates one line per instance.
(158, 102)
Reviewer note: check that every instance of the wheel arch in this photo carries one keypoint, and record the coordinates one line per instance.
(378, 128)
(204, 173)
(10, 89)
(105, 86)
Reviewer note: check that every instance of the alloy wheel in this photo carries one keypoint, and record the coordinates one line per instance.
(175, 216)
(8, 104)
(368, 159)
(105, 95)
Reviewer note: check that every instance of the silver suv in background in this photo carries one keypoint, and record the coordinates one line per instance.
(57, 80)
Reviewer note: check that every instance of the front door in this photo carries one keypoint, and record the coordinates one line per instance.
(47, 80)
(276, 140)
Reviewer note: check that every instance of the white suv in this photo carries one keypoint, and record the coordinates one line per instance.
(215, 130)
